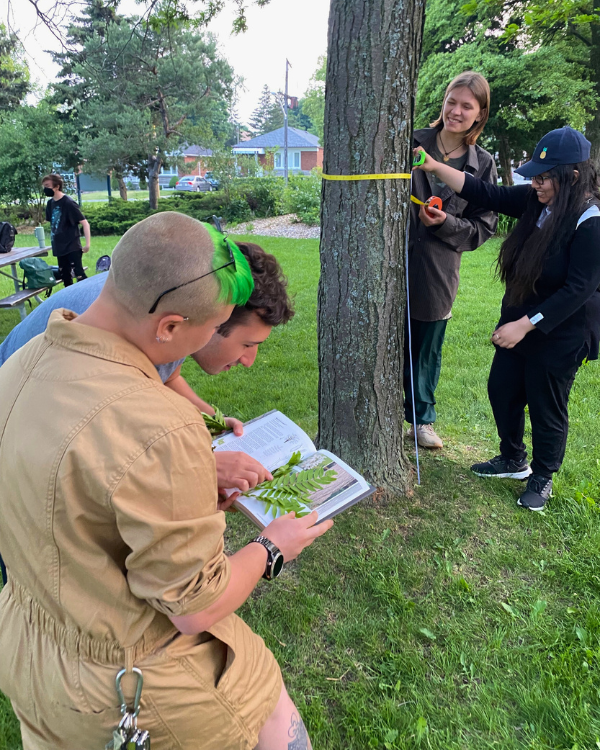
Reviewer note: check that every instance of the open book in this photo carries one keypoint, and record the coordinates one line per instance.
(272, 439)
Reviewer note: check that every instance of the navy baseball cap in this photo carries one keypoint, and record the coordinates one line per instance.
(562, 146)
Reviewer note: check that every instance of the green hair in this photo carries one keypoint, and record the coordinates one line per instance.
(235, 282)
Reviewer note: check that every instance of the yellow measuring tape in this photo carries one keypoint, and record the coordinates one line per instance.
(399, 176)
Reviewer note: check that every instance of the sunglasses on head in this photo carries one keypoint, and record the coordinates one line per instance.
(217, 223)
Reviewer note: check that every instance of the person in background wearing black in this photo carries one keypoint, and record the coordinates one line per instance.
(438, 238)
(65, 217)
(550, 317)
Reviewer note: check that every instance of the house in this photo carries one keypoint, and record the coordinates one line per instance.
(197, 158)
(304, 150)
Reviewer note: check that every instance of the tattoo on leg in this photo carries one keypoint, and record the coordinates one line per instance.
(298, 734)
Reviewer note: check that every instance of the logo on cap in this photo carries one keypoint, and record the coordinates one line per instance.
(543, 154)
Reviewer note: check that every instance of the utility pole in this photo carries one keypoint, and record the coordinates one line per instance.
(284, 109)
(285, 123)
(78, 186)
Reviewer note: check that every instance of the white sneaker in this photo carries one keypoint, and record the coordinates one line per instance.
(426, 436)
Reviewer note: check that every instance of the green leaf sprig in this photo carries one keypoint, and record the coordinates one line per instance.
(290, 491)
(216, 422)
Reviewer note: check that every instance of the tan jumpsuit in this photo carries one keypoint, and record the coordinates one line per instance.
(109, 524)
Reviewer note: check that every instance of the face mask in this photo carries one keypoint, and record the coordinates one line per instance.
(49, 192)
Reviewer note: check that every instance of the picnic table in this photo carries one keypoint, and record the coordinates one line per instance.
(20, 296)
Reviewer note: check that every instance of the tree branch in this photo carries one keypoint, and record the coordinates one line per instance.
(579, 36)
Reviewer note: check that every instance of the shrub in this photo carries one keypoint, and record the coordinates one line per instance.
(505, 224)
(303, 197)
(237, 210)
(254, 197)
(173, 181)
(264, 195)
(115, 217)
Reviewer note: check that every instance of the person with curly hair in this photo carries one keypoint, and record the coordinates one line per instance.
(235, 343)
(112, 529)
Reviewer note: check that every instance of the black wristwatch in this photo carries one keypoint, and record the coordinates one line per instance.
(274, 558)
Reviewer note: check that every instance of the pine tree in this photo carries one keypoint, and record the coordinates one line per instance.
(14, 73)
(267, 116)
(261, 113)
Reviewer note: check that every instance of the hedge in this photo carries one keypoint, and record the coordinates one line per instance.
(250, 198)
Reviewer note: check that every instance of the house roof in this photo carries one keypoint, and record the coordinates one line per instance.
(196, 151)
(296, 139)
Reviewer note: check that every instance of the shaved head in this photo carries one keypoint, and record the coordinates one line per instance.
(161, 252)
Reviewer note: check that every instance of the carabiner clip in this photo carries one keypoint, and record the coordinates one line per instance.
(138, 691)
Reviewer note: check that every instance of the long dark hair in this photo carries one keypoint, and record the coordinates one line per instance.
(523, 253)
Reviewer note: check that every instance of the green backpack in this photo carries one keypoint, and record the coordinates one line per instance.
(37, 274)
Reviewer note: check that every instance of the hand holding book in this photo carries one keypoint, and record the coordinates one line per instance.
(292, 534)
(325, 483)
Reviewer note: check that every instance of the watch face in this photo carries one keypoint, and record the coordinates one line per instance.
(277, 566)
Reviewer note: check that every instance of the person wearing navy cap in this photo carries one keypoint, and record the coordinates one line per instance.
(550, 317)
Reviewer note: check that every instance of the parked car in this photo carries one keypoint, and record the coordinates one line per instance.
(193, 183)
(212, 180)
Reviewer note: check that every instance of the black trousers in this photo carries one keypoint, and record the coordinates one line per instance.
(516, 381)
(68, 261)
(427, 340)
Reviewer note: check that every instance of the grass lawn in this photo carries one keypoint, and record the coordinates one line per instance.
(450, 619)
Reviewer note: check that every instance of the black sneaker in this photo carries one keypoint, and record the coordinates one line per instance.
(538, 490)
(502, 468)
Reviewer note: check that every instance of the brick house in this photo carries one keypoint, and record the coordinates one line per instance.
(304, 150)
(198, 160)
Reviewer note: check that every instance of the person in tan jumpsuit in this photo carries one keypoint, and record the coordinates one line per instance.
(111, 529)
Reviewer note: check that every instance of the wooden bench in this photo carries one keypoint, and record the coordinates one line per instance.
(18, 298)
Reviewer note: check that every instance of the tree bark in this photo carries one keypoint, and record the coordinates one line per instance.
(122, 187)
(592, 130)
(154, 165)
(505, 161)
(372, 63)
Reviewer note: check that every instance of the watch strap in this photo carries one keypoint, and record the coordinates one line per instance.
(272, 551)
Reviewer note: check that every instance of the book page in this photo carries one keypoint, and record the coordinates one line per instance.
(347, 486)
(333, 497)
(270, 439)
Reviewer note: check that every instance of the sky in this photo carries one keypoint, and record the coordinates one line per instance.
(281, 29)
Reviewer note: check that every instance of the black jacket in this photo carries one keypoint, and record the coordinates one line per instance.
(565, 308)
(434, 254)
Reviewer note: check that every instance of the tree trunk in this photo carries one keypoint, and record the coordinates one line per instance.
(592, 130)
(372, 62)
(154, 165)
(505, 161)
(122, 187)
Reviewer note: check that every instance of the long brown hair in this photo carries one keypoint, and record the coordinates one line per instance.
(523, 253)
(480, 89)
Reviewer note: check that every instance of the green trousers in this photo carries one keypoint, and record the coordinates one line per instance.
(427, 340)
